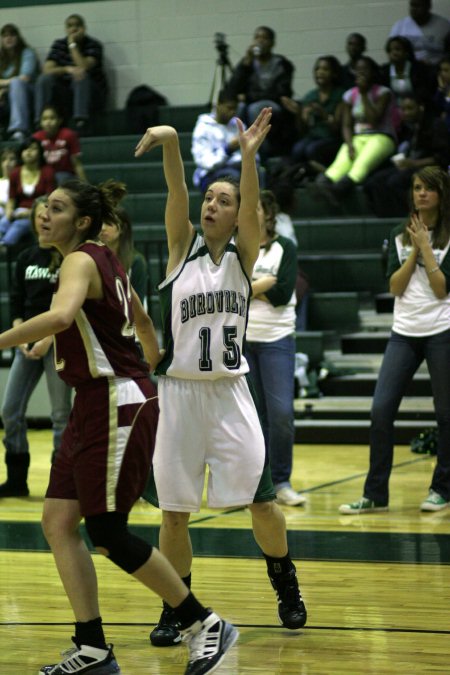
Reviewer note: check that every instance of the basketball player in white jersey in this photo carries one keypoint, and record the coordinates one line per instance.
(207, 413)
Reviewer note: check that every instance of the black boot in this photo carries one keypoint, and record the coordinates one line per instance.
(17, 472)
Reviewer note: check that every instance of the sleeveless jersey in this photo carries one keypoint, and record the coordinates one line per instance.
(204, 308)
(101, 340)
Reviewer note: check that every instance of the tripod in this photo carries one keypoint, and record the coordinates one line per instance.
(223, 66)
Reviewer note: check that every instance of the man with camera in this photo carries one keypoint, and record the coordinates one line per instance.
(260, 79)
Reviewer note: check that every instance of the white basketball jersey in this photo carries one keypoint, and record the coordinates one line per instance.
(204, 309)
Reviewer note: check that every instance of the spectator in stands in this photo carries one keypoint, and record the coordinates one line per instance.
(31, 179)
(355, 46)
(61, 146)
(74, 66)
(260, 79)
(369, 134)
(19, 67)
(35, 276)
(270, 346)
(423, 141)
(441, 99)
(426, 31)
(8, 160)
(215, 143)
(319, 116)
(403, 74)
(419, 278)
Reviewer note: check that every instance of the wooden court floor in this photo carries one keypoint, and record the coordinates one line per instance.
(377, 587)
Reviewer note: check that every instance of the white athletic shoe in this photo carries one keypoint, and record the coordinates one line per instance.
(84, 659)
(290, 497)
(208, 642)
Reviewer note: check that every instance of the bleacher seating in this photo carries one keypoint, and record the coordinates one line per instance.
(341, 252)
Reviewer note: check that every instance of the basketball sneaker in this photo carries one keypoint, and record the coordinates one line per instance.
(208, 641)
(363, 505)
(434, 502)
(291, 608)
(84, 659)
(167, 632)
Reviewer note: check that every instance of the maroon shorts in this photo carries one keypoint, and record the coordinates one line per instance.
(107, 448)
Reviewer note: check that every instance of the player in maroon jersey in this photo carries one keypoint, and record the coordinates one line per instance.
(105, 457)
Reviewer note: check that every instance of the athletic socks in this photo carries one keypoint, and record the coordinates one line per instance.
(278, 566)
(90, 633)
(190, 610)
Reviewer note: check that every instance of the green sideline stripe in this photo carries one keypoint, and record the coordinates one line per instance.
(228, 542)
(4, 4)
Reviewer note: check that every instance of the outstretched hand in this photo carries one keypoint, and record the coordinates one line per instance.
(153, 137)
(251, 139)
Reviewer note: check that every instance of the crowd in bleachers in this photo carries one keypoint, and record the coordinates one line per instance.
(361, 124)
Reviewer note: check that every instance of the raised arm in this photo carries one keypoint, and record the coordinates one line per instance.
(178, 226)
(248, 224)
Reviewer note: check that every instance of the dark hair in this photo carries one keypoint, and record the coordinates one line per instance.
(55, 255)
(27, 143)
(334, 64)
(8, 150)
(78, 17)
(232, 181)
(437, 179)
(53, 108)
(270, 32)
(406, 44)
(270, 208)
(359, 37)
(116, 190)
(225, 96)
(374, 67)
(92, 201)
(125, 251)
(13, 58)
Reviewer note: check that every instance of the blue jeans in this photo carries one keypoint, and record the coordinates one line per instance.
(272, 367)
(402, 358)
(12, 231)
(20, 98)
(22, 381)
(83, 92)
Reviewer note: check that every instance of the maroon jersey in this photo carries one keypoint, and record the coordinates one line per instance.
(101, 340)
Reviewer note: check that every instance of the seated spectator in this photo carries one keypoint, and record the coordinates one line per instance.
(426, 31)
(368, 130)
(8, 160)
(423, 141)
(403, 74)
(355, 46)
(441, 99)
(319, 116)
(31, 179)
(74, 65)
(215, 143)
(18, 69)
(260, 79)
(61, 146)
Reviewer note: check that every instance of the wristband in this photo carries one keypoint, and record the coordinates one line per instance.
(432, 271)
(72, 45)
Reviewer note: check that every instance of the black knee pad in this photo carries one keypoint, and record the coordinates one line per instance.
(110, 531)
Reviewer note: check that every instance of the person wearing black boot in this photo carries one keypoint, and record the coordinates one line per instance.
(36, 272)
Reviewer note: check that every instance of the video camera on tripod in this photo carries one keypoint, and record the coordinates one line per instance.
(220, 44)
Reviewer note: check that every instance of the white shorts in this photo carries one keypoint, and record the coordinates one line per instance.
(207, 423)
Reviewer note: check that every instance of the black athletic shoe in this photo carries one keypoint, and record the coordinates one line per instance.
(208, 641)
(166, 633)
(291, 608)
